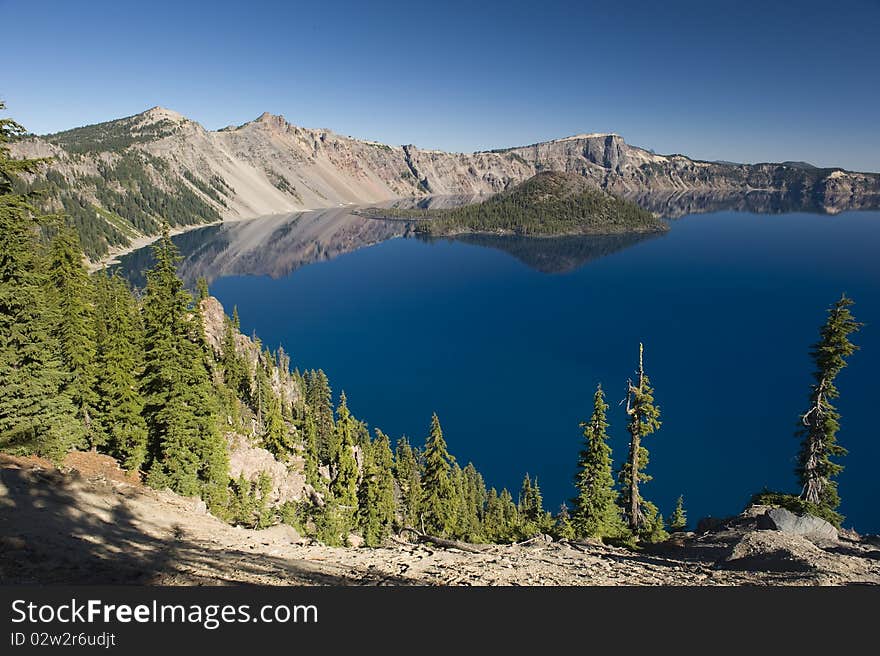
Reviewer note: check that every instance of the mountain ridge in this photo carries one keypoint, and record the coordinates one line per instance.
(121, 178)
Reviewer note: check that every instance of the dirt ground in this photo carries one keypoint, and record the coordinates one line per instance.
(90, 522)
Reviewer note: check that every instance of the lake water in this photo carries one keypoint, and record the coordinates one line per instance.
(506, 339)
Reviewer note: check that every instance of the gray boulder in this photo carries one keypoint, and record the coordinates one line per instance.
(812, 528)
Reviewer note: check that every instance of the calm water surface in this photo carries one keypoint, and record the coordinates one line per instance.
(507, 339)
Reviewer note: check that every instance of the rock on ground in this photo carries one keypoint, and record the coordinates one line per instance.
(813, 528)
(57, 527)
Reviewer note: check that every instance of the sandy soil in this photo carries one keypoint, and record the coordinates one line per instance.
(91, 523)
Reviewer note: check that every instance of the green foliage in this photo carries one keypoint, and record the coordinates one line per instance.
(277, 437)
(816, 468)
(111, 208)
(795, 504)
(236, 375)
(502, 522)
(332, 523)
(310, 450)
(533, 518)
(71, 300)
(407, 476)
(563, 528)
(249, 502)
(186, 451)
(205, 188)
(678, 519)
(376, 492)
(120, 340)
(471, 503)
(37, 414)
(344, 466)
(596, 513)
(202, 291)
(318, 397)
(641, 516)
(439, 497)
(547, 204)
(111, 136)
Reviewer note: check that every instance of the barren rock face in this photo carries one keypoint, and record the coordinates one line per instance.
(288, 479)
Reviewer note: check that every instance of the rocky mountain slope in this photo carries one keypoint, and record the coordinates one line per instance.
(89, 523)
(119, 179)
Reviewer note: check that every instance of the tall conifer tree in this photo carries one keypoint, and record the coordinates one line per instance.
(186, 451)
(36, 413)
(376, 491)
(119, 361)
(71, 297)
(345, 469)
(596, 513)
(438, 504)
(644, 419)
(816, 468)
(407, 474)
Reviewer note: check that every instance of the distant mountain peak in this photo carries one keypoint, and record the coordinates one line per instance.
(158, 113)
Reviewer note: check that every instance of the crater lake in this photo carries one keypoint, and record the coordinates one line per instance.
(507, 338)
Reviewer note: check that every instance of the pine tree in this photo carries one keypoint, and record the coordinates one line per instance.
(438, 507)
(186, 451)
(235, 368)
(641, 516)
(816, 469)
(344, 465)
(376, 492)
(310, 450)
(276, 436)
(407, 475)
(596, 514)
(678, 520)
(36, 413)
(71, 298)
(564, 529)
(262, 392)
(533, 517)
(472, 498)
(202, 292)
(119, 338)
(318, 397)
(509, 516)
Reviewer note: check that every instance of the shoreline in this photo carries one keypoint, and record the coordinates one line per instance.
(115, 252)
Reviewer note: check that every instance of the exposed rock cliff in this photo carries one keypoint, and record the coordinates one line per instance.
(122, 177)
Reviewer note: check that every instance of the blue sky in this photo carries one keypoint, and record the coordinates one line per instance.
(743, 81)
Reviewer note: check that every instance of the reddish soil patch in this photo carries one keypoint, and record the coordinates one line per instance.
(93, 465)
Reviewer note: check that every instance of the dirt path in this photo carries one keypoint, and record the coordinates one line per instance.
(100, 527)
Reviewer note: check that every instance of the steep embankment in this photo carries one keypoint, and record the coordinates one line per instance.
(87, 523)
(121, 178)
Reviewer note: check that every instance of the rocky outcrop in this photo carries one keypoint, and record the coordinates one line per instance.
(283, 384)
(269, 166)
(810, 527)
(288, 478)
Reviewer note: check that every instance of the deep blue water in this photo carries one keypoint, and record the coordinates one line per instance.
(727, 305)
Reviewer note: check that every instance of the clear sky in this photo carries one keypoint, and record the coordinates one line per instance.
(744, 81)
